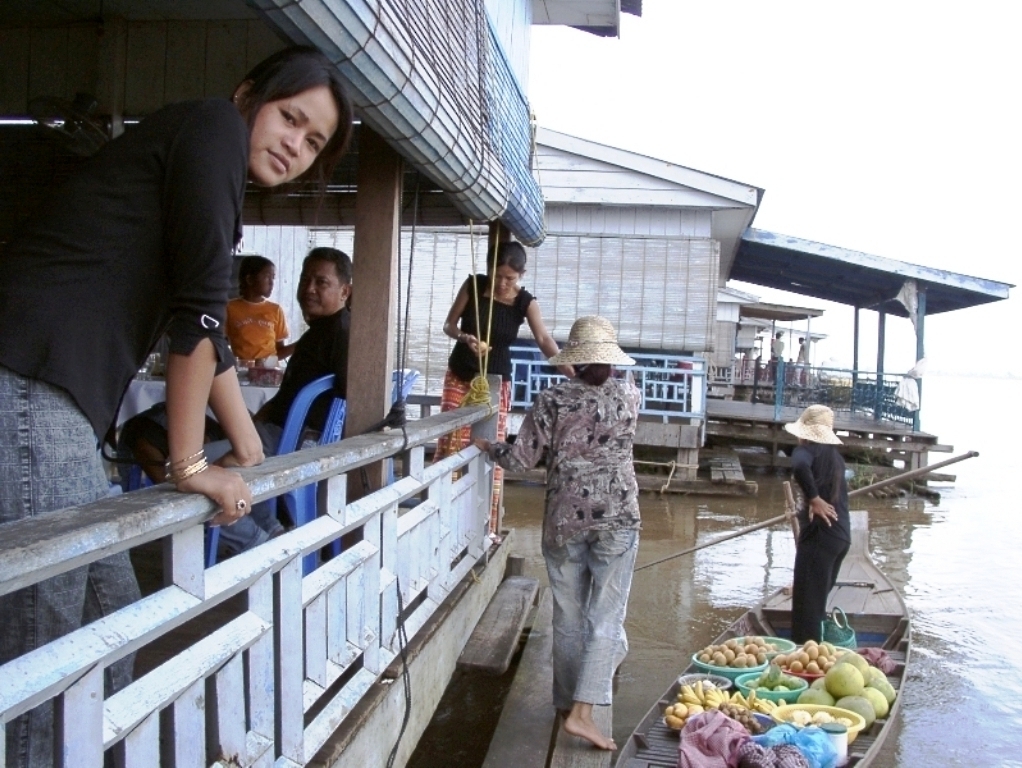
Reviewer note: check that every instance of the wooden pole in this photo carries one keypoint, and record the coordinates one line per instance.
(374, 287)
(790, 510)
(782, 518)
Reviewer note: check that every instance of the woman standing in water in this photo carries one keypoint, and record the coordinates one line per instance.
(591, 522)
(825, 532)
(486, 330)
(139, 242)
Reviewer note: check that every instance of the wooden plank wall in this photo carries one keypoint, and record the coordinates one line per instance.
(141, 65)
(626, 220)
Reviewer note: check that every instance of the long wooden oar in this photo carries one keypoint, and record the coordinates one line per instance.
(782, 518)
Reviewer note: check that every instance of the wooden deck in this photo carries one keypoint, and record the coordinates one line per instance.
(735, 421)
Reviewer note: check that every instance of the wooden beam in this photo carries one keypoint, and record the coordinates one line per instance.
(374, 313)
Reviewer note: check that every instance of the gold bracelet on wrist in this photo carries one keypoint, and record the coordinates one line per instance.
(177, 476)
(189, 460)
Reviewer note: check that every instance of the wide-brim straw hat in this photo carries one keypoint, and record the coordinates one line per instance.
(816, 424)
(592, 340)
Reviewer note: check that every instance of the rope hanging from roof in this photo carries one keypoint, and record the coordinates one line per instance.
(479, 388)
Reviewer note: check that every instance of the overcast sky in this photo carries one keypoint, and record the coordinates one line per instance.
(889, 128)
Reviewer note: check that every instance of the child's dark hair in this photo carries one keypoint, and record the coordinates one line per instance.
(290, 72)
(340, 260)
(509, 254)
(594, 373)
(250, 267)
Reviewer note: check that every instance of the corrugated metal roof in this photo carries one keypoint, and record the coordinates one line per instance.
(853, 277)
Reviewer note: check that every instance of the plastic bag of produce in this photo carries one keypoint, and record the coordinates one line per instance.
(812, 742)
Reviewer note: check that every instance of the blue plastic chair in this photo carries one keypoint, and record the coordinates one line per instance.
(301, 502)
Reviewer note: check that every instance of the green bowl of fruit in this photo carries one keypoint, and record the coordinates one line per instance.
(772, 684)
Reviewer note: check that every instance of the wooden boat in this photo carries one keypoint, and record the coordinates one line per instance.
(875, 609)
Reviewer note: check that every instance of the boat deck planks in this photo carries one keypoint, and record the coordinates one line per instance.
(495, 639)
(882, 612)
(526, 727)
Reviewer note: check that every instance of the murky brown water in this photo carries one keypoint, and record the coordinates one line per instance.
(956, 563)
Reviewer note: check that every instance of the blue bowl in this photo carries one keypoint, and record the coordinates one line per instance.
(731, 673)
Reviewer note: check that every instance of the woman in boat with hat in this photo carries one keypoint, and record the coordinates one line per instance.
(591, 521)
(825, 532)
(138, 242)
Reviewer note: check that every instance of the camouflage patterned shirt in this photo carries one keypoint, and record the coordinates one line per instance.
(590, 479)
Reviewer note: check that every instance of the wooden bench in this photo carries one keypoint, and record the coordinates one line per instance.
(494, 640)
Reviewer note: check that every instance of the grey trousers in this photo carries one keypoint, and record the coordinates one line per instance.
(49, 460)
(590, 578)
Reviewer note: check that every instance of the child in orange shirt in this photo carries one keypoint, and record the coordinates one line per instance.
(256, 327)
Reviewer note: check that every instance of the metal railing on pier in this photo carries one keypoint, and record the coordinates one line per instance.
(672, 386)
(842, 389)
(269, 686)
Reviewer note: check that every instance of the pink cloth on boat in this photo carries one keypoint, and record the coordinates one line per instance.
(711, 740)
(879, 658)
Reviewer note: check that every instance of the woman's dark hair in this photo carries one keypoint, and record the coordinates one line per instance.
(250, 267)
(509, 254)
(594, 373)
(288, 73)
(340, 260)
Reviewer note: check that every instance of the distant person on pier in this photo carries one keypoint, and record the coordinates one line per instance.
(591, 521)
(136, 243)
(825, 532)
(485, 332)
(777, 347)
(803, 352)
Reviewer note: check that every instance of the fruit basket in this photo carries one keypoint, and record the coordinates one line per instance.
(744, 683)
(783, 645)
(729, 672)
(719, 681)
(784, 714)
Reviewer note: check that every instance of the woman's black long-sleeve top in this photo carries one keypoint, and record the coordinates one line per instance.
(820, 471)
(138, 242)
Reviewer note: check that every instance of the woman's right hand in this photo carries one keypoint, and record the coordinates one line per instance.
(224, 487)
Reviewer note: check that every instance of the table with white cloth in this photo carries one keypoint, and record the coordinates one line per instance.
(143, 394)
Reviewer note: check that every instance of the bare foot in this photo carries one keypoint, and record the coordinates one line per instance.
(578, 725)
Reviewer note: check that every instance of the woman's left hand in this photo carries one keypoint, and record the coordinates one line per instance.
(823, 510)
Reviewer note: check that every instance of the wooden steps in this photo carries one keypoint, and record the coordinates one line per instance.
(525, 730)
(494, 640)
(726, 468)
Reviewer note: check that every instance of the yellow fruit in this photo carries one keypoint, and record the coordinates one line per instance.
(674, 723)
(695, 709)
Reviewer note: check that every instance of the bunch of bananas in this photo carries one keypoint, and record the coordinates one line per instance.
(712, 698)
(765, 706)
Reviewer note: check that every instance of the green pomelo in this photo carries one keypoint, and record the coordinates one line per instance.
(860, 663)
(816, 696)
(844, 680)
(819, 684)
(859, 706)
(877, 699)
(886, 689)
(875, 676)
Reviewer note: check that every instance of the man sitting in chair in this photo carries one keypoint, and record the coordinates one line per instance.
(323, 292)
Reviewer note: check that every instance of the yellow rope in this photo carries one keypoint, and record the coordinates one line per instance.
(479, 388)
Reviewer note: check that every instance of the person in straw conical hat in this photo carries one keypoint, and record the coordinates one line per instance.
(591, 523)
(825, 534)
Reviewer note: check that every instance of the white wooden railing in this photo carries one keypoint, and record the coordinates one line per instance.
(266, 687)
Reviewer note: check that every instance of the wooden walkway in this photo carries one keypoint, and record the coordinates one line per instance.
(529, 732)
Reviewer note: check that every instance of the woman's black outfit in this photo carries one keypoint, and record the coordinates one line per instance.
(819, 470)
(503, 330)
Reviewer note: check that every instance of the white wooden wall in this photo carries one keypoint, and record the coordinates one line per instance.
(512, 21)
(592, 219)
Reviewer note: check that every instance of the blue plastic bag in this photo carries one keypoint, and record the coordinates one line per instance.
(812, 742)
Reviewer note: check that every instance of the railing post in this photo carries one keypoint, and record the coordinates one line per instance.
(778, 389)
(755, 380)
(487, 429)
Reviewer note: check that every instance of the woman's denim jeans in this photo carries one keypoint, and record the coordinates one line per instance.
(590, 577)
(49, 460)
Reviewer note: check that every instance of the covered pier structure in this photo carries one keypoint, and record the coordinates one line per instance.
(873, 408)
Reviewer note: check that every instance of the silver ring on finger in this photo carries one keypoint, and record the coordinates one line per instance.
(241, 505)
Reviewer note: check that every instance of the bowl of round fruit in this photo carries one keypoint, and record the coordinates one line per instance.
(809, 661)
(772, 685)
(733, 657)
(803, 715)
(782, 644)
